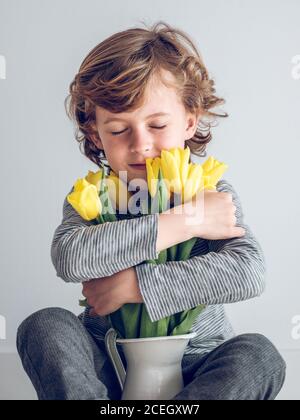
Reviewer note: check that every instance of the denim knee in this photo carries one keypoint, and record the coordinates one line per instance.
(265, 353)
(40, 323)
(59, 356)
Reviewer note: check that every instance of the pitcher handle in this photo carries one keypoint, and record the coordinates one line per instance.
(111, 348)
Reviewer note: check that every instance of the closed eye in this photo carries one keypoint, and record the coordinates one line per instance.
(117, 133)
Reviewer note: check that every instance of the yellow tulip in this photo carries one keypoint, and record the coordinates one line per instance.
(85, 199)
(212, 172)
(174, 168)
(175, 151)
(153, 167)
(193, 183)
(208, 165)
(171, 169)
(95, 178)
(184, 164)
(119, 189)
(182, 177)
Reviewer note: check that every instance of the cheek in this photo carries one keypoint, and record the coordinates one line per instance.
(116, 156)
(171, 142)
(113, 149)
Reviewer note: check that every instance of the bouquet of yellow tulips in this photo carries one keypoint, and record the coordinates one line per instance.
(170, 175)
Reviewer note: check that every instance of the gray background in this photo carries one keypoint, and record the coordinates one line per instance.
(248, 47)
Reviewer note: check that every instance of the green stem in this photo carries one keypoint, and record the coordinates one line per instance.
(83, 302)
(172, 252)
(184, 249)
(108, 215)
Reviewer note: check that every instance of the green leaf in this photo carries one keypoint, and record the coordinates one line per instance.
(153, 329)
(83, 302)
(174, 321)
(184, 249)
(151, 262)
(172, 252)
(126, 320)
(108, 214)
(163, 193)
(187, 319)
(162, 257)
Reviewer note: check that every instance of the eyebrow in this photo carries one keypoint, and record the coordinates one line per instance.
(157, 114)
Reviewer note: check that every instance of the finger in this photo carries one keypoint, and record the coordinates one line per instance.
(238, 232)
(228, 196)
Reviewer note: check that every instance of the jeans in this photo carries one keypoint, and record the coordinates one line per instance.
(64, 362)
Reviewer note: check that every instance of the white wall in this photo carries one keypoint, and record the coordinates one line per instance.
(248, 47)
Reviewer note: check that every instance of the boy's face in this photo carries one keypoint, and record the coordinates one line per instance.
(134, 137)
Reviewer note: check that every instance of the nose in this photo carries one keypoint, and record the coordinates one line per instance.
(140, 143)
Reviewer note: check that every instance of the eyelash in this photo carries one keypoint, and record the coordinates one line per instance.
(117, 133)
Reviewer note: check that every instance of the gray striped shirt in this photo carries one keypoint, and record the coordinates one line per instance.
(217, 272)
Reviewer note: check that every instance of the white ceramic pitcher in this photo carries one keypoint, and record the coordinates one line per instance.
(153, 365)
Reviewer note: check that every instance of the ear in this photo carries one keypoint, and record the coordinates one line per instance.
(192, 124)
(95, 138)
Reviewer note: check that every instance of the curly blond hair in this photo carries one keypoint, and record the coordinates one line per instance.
(115, 73)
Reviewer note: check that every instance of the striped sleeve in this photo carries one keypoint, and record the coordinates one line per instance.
(232, 270)
(82, 250)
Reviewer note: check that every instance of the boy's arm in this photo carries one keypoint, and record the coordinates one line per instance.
(82, 250)
(233, 270)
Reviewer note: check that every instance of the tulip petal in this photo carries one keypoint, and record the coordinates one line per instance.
(152, 166)
(85, 200)
(171, 171)
(208, 164)
(95, 178)
(184, 165)
(216, 173)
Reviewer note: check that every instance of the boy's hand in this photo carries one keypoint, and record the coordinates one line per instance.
(108, 294)
(213, 216)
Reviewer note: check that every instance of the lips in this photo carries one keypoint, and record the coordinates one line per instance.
(140, 166)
